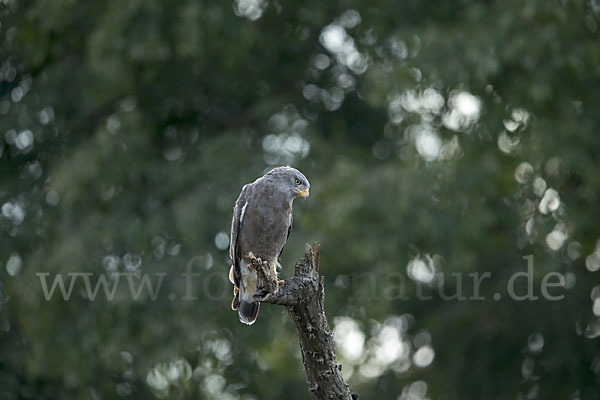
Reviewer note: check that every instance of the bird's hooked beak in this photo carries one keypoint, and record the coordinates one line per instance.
(303, 193)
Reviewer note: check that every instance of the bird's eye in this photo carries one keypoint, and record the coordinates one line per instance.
(297, 182)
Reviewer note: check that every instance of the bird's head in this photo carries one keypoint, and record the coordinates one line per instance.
(292, 181)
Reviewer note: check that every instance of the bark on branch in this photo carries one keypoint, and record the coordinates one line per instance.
(303, 297)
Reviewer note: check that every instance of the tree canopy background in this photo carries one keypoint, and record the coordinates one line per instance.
(440, 138)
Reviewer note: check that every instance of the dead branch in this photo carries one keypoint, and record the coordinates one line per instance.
(303, 297)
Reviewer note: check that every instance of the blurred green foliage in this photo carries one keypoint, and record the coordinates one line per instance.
(440, 138)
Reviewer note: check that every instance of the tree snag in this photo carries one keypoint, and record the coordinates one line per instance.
(303, 297)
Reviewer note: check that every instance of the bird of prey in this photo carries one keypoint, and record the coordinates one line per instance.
(261, 224)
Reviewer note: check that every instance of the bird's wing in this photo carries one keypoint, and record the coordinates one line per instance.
(238, 216)
(291, 219)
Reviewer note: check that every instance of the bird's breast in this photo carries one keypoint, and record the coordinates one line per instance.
(264, 229)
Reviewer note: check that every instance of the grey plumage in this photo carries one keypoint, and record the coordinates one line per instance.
(261, 224)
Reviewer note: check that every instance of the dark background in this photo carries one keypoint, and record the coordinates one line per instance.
(440, 138)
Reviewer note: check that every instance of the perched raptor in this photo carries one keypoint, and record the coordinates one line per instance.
(262, 222)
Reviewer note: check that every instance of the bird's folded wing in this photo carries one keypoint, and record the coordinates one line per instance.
(236, 223)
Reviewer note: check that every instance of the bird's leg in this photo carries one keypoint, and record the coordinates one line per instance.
(253, 258)
(264, 267)
(271, 276)
(257, 262)
(266, 274)
(280, 282)
(274, 277)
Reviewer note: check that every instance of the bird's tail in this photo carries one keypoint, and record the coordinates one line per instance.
(248, 311)
(247, 306)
